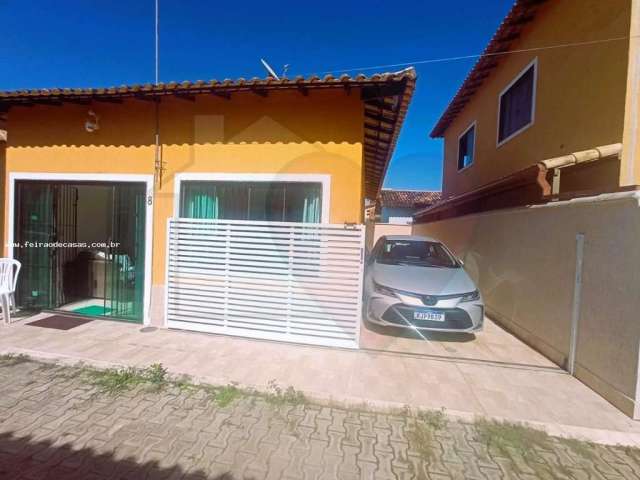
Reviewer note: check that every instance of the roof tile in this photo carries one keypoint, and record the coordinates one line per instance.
(379, 142)
(409, 198)
(523, 11)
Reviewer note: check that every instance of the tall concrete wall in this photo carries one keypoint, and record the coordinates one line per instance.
(524, 261)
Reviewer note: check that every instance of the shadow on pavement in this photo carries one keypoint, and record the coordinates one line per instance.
(23, 457)
(422, 335)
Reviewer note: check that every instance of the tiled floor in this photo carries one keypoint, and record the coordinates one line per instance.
(492, 345)
(493, 374)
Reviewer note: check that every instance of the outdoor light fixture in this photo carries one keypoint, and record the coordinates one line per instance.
(92, 123)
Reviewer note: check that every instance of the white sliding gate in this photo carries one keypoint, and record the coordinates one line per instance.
(296, 282)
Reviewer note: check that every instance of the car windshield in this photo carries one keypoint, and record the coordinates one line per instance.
(415, 252)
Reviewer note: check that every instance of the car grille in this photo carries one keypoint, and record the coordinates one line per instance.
(454, 319)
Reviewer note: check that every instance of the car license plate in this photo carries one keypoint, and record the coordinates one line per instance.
(431, 316)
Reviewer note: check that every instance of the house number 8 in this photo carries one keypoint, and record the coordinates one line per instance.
(149, 200)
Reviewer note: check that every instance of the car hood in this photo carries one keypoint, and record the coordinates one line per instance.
(423, 280)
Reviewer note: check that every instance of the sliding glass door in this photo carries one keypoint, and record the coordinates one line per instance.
(82, 247)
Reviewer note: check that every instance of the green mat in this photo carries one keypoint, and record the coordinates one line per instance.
(93, 310)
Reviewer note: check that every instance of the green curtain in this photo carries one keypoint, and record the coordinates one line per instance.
(303, 202)
(311, 212)
(199, 200)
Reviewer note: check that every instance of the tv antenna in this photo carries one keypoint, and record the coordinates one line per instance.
(269, 70)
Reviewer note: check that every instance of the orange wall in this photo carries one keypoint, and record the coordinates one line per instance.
(580, 98)
(285, 132)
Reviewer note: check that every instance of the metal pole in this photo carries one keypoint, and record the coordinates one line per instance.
(157, 41)
(575, 314)
(158, 160)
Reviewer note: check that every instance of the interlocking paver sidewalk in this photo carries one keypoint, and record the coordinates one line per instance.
(55, 424)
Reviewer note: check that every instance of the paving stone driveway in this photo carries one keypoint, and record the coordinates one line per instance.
(56, 425)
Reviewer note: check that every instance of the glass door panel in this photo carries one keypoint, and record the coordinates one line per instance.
(65, 214)
(34, 229)
(124, 272)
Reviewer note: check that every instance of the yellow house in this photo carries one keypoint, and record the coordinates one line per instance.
(546, 110)
(91, 176)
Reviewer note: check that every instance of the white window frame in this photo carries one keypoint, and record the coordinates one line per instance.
(533, 63)
(324, 180)
(473, 152)
(96, 177)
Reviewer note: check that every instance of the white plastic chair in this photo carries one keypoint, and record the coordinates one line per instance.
(9, 270)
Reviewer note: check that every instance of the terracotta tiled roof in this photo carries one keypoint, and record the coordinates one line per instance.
(386, 97)
(408, 198)
(201, 86)
(522, 12)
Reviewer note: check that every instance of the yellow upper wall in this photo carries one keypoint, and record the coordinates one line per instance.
(284, 132)
(580, 93)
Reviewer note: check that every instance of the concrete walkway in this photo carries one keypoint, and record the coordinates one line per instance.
(467, 379)
(56, 423)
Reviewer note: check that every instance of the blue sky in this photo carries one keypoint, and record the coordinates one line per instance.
(87, 43)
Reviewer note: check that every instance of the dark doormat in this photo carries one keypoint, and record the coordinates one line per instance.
(60, 322)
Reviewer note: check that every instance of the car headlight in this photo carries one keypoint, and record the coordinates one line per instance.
(382, 290)
(407, 298)
(471, 296)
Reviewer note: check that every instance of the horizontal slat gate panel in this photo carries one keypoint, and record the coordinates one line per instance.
(294, 282)
(270, 287)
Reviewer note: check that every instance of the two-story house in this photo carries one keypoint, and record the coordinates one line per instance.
(540, 185)
(556, 80)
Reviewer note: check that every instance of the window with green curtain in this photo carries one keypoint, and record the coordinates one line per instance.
(199, 200)
(265, 201)
(302, 203)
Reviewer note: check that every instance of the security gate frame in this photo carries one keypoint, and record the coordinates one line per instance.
(295, 282)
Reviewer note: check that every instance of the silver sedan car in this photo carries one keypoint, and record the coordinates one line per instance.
(415, 282)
